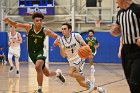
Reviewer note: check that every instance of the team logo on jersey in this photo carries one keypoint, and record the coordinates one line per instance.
(71, 46)
(40, 55)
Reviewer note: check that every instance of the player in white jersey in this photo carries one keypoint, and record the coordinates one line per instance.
(15, 40)
(69, 45)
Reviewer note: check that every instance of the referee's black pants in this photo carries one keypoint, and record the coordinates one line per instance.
(131, 66)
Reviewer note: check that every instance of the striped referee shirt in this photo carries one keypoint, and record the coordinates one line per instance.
(129, 20)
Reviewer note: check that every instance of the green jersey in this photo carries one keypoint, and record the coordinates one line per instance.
(93, 42)
(35, 40)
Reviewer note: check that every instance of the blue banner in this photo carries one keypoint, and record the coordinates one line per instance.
(44, 10)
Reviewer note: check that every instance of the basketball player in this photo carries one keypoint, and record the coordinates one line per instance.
(2, 56)
(36, 35)
(15, 40)
(94, 44)
(69, 45)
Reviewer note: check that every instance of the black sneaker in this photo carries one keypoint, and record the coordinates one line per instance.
(39, 91)
(60, 76)
(11, 69)
(17, 74)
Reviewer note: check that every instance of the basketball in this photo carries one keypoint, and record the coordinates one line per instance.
(84, 51)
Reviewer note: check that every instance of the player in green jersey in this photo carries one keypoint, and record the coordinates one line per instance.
(94, 44)
(36, 35)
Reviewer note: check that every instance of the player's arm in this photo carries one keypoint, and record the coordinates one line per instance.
(9, 42)
(97, 44)
(19, 38)
(120, 47)
(82, 42)
(62, 49)
(17, 24)
(115, 30)
(80, 39)
(52, 34)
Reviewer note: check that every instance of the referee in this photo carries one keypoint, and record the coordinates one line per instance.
(128, 24)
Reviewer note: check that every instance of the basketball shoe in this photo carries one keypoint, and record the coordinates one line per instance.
(39, 91)
(60, 75)
(90, 86)
(101, 90)
(11, 69)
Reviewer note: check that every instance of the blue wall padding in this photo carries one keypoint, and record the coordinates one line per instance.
(107, 52)
(4, 42)
(23, 46)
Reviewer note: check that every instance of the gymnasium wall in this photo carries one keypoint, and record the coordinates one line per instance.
(107, 52)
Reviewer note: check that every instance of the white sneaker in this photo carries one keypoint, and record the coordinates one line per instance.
(90, 86)
(101, 90)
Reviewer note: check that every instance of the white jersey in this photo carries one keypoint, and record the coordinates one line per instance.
(71, 45)
(13, 44)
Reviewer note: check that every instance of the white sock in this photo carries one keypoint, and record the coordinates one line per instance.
(39, 87)
(92, 66)
(58, 72)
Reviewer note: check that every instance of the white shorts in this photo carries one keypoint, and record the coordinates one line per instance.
(13, 52)
(78, 63)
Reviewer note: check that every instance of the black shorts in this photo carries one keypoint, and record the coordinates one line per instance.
(40, 55)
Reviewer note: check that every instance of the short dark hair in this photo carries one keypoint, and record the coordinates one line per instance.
(68, 25)
(91, 31)
(37, 14)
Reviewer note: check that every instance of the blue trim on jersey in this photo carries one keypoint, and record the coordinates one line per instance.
(76, 38)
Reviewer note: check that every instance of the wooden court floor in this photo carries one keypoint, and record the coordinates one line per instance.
(108, 74)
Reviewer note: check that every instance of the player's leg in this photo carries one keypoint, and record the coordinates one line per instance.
(2, 60)
(73, 72)
(17, 55)
(10, 55)
(17, 66)
(92, 69)
(38, 66)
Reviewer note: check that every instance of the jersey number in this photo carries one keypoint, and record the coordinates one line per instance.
(35, 41)
(72, 50)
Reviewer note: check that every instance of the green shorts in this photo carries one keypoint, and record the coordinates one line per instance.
(40, 55)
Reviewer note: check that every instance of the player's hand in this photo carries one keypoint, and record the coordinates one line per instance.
(119, 54)
(138, 41)
(56, 42)
(115, 30)
(5, 18)
(14, 40)
(89, 43)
